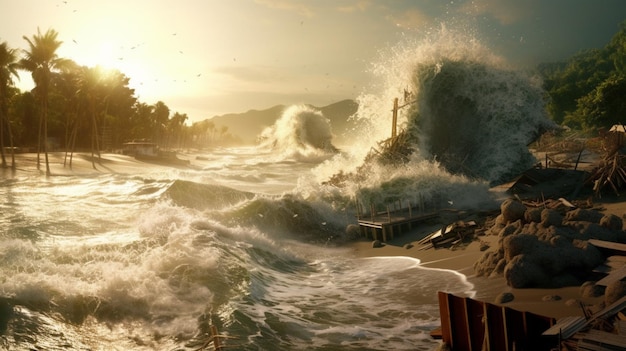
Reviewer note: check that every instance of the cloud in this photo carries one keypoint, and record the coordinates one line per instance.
(357, 6)
(299, 7)
(252, 74)
(410, 19)
(506, 12)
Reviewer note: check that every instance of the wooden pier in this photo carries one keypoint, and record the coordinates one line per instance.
(384, 225)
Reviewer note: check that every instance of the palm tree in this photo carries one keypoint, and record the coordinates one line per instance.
(90, 86)
(8, 68)
(41, 59)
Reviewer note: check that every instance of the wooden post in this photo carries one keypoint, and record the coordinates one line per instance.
(394, 121)
(579, 155)
(216, 338)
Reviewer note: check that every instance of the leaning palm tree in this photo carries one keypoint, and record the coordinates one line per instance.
(41, 59)
(8, 69)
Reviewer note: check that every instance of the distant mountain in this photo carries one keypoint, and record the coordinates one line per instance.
(249, 125)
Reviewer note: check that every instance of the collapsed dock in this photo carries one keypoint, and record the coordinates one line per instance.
(384, 225)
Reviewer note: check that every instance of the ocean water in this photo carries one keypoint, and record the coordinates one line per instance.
(251, 239)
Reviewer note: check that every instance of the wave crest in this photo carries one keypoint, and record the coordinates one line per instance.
(301, 132)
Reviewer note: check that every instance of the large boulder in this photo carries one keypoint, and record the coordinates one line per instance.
(519, 244)
(522, 272)
(584, 215)
(533, 215)
(612, 222)
(512, 210)
(551, 218)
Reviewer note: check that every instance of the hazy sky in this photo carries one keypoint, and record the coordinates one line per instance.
(209, 57)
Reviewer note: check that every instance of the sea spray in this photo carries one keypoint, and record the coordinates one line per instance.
(466, 120)
(301, 133)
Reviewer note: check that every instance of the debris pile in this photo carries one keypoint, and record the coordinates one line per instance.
(545, 247)
(611, 170)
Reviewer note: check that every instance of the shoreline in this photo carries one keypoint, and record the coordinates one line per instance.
(460, 260)
(111, 163)
(549, 302)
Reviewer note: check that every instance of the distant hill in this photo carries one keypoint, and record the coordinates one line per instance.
(248, 125)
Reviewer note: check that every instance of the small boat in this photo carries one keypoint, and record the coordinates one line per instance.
(148, 151)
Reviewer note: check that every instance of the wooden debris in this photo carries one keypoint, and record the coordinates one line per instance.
(601, 340)
(449, 235)
(611, 172)
(566, 327)
(613, 276)
(608, 245)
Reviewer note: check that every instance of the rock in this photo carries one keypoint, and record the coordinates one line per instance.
(510, 229)
(499, 269)
(588, 231)
(583, 215)
(614, 292)
(549, 298)
(523, 272)
(505, 297)
(518, 244)
(484, 246)
(512, 210)
(408, 246)
(533, 215)
(590, 256)
(611, 222)
(376, 244)
(486, 263)
(353, 231)
(590, 289)
(551, 218)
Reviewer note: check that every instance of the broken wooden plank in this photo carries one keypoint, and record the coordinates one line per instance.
(610, 245)
(605, 340)
(614, 276)
(566, 327)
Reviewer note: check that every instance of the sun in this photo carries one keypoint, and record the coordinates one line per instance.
(106, 54)
(102, 53)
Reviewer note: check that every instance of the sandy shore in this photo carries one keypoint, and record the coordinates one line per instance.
(26, 164)
(539, 301)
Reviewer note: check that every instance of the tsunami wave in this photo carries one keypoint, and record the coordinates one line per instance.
(464, 122)
(301, 133)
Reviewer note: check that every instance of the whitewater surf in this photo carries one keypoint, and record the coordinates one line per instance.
(250, 239)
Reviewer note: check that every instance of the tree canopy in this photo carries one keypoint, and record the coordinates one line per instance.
(80, 107)
(588, 90)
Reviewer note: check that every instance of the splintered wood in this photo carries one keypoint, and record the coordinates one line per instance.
(611, 173)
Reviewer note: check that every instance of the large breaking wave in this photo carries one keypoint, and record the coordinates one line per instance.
(465, 116)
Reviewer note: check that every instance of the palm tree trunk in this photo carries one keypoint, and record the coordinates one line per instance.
(4, 161)
(45, 133)
(11, 143)
(39, 139)
(73, 137)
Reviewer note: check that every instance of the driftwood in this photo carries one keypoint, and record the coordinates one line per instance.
(611, 172)
(395, 150)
